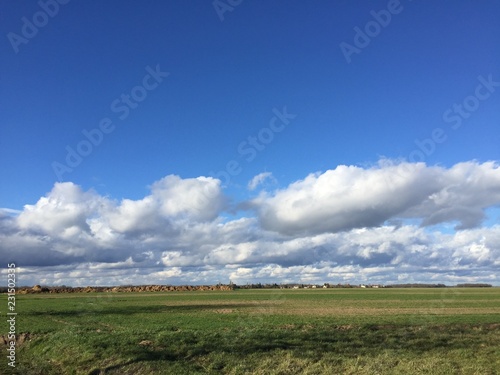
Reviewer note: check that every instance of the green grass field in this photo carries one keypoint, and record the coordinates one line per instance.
(323, 331)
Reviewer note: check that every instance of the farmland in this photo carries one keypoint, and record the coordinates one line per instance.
(323, 331)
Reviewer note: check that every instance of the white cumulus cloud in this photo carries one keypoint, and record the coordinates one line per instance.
(259, 179)
(349, 224)
(350, 197)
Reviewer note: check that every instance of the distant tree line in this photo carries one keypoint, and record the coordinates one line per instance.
(474, 285)
(292, 285)
(468, 285)
(258, 286)
(230, 286)
(415, 285)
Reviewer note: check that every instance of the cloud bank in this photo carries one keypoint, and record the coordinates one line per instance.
(387, 223)
(352, 197)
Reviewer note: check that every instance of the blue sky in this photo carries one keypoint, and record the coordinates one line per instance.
(229, 74)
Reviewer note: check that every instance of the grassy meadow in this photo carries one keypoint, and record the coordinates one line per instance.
(305, 331)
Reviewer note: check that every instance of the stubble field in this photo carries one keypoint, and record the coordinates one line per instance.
(305, 331)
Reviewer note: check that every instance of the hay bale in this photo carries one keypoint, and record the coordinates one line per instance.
(36, 289)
